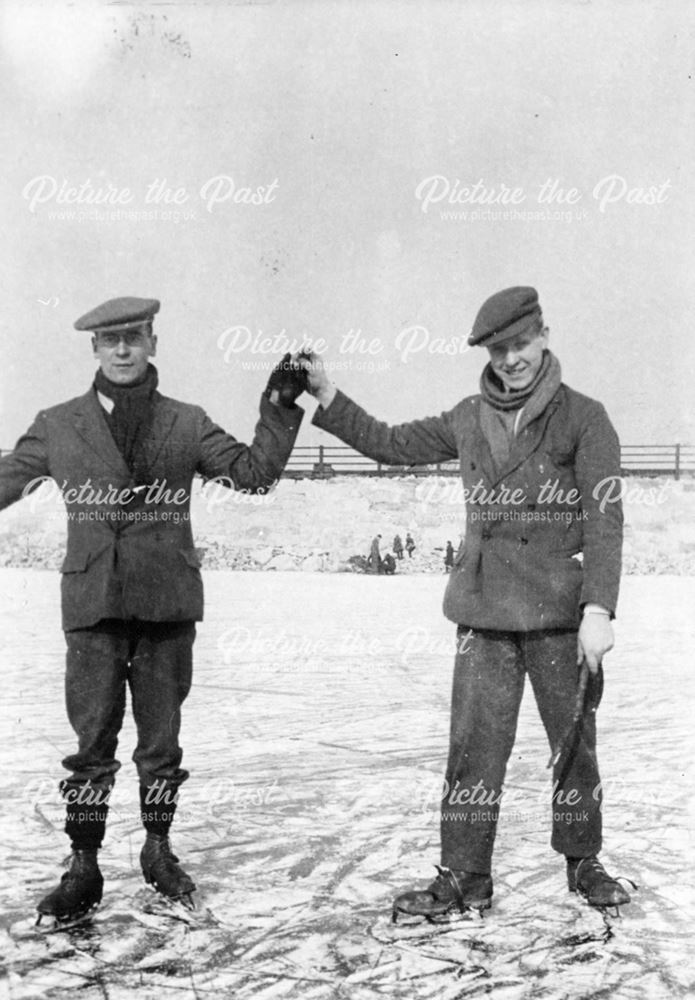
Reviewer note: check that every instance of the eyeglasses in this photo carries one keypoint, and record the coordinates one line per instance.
(131, 338)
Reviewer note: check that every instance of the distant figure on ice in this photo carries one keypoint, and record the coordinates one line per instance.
(398, 547)
(388, 565)
(409, 545)
(124, 457)
(523, 601)
(448, 557)
(374, 561)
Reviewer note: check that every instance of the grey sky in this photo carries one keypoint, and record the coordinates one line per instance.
(339, 113)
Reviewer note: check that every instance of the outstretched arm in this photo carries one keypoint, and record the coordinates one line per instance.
(23, 470)
(419, 442)
(255, 467)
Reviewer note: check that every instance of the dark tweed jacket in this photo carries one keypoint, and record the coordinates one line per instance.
(524, 565)
(138, 561)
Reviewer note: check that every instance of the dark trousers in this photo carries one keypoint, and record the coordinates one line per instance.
(153, 659)
(488, 684)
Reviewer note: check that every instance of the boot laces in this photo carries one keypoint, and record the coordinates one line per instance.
(162, 854)
(593, 866)
(445, 885)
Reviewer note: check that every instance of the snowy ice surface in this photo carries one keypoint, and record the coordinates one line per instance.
(316, 734)
(316, 525)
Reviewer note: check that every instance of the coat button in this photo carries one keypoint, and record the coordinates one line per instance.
(524, 541)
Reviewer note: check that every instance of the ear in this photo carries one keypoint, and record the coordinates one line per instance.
(545, 335)
(94, 345)
(153, 343)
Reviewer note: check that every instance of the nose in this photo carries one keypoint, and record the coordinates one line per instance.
(511, 357)
(123, 349)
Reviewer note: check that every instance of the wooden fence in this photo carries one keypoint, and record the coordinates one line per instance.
(323, 461)
(338, 460)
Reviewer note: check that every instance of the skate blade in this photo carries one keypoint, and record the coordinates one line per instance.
(185, 899)
(610, 909)
(60, 924)
(181, 908)
(406, 918)
(414, 928)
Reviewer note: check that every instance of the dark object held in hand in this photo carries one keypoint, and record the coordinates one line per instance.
(589, 693)
(290, 380)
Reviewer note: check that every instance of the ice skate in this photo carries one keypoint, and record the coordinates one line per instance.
(161, 869)
(80, 889)
(589, 878)
(451, 893)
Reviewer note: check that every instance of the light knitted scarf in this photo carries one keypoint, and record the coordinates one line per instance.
(505, 412)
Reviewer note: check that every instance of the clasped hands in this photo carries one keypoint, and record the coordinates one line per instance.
(295, 374)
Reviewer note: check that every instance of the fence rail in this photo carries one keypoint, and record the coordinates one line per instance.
(324, 461)
(339, 460)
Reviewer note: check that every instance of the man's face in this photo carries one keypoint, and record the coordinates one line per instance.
(518, 360)
(123, 355)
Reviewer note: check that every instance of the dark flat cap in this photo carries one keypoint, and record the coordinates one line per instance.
(118, 314)
(505, 314)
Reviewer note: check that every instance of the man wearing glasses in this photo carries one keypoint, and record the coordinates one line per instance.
(124, 458)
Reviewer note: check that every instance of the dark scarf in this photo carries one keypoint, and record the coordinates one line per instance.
(499, 405)
(131, 418)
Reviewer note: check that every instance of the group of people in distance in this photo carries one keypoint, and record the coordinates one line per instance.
(387, 564)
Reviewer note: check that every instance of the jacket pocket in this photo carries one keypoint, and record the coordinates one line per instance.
(75, 562)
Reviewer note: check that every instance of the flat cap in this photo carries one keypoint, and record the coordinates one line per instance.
(118, 314)
(505, 314)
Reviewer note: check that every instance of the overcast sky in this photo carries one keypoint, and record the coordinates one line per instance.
(356, 126)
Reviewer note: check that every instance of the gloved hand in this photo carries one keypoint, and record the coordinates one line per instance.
(287, 381)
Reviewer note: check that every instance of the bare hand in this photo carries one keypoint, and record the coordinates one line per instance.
(320, 385)
(594, 640)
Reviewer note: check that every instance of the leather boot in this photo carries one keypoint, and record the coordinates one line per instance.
(589, 878)
(161, 869)
(451, 891)
(80, 888)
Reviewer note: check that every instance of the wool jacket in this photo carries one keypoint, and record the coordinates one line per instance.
(534, 552)
(130, 555)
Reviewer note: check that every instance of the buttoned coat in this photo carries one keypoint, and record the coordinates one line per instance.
(132, 555)
(533, 553)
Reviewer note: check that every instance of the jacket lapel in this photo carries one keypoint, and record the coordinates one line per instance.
(162, 425)
(90, 424)
(481, 449)
(527, 442)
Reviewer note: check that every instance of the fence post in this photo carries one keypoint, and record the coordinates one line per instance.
(678, 461)
(320, 459)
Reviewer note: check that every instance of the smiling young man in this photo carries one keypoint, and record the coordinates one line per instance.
(532, 590)
(124, 457)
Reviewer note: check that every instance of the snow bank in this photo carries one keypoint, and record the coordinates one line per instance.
(317, 525)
